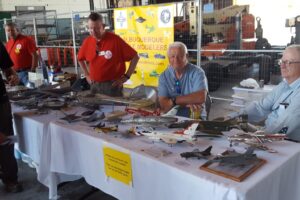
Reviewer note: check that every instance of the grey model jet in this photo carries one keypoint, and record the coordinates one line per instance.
(150, 120)
(236, 159)
(70, 117)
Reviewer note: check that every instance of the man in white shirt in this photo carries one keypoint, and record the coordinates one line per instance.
(281, 108)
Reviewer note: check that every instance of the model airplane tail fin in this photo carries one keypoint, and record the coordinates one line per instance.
(191, 130)
(207, 150)
(172, 112)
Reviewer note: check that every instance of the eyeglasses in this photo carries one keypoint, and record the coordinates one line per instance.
(286, 62)
(177, 87)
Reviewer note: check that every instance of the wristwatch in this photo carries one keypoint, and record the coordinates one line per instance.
(174, 101)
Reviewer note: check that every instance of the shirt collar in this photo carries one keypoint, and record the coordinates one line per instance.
(294, 85)
(173, 71)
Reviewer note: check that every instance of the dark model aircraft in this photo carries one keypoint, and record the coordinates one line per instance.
(215, 127)
(197, 154)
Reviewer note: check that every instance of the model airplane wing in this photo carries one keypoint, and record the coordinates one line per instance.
(169, 140)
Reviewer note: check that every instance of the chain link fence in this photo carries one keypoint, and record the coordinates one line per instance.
(229, 46)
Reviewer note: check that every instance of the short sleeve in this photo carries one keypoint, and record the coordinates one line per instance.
(81, 53)
(199, 81)
(127, 51)
(31, 45)
(162, 86)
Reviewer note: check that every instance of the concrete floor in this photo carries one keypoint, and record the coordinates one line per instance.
(33, 190)
(77, 190)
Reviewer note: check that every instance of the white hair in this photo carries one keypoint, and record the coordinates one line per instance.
(180, 45)
(295, 46)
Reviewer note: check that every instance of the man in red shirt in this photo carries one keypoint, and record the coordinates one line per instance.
(105, 53)
(23, 52)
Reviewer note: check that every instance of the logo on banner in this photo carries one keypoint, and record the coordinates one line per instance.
(121, 19)
(165, 17)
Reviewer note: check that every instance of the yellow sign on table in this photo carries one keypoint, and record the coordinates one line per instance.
(117, 165)
(149, 30)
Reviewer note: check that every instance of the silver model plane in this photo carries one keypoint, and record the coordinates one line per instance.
(197, 154)
(256, 139)
(150, 120)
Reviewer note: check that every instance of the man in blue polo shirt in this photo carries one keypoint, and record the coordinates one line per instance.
(182, 83)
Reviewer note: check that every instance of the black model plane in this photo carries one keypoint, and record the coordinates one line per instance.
(197, 154)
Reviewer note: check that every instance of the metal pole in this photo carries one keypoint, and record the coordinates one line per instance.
(6, 35)
(34, 30)
(74, 45)
(92, 7)
(199, 34)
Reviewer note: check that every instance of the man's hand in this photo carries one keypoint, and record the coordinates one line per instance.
(119, 82)
(2, 138)
(88, 79)
(195, 107)
(13, 80)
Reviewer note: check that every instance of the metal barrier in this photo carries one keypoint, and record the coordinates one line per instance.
(223, 42)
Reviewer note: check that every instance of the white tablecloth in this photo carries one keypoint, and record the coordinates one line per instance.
(76, 149)
(33, 134)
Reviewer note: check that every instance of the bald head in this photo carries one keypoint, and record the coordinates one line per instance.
(11, 30)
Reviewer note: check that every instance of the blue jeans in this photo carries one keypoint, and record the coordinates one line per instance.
(23, 76)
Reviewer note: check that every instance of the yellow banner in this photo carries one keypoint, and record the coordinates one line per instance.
(117, 165)
(149, 30)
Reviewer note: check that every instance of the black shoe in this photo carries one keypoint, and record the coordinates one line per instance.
(13, 187)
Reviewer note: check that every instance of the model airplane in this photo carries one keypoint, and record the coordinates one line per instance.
(106, 129)
(94, 117)
(165, 119)
(209, 127)
(101, 99)
(197, 154)
(70, 117)
(215, 127)
(142, 112)
(150, 120)
(237, 159)
(256, 139)
(168, 137)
